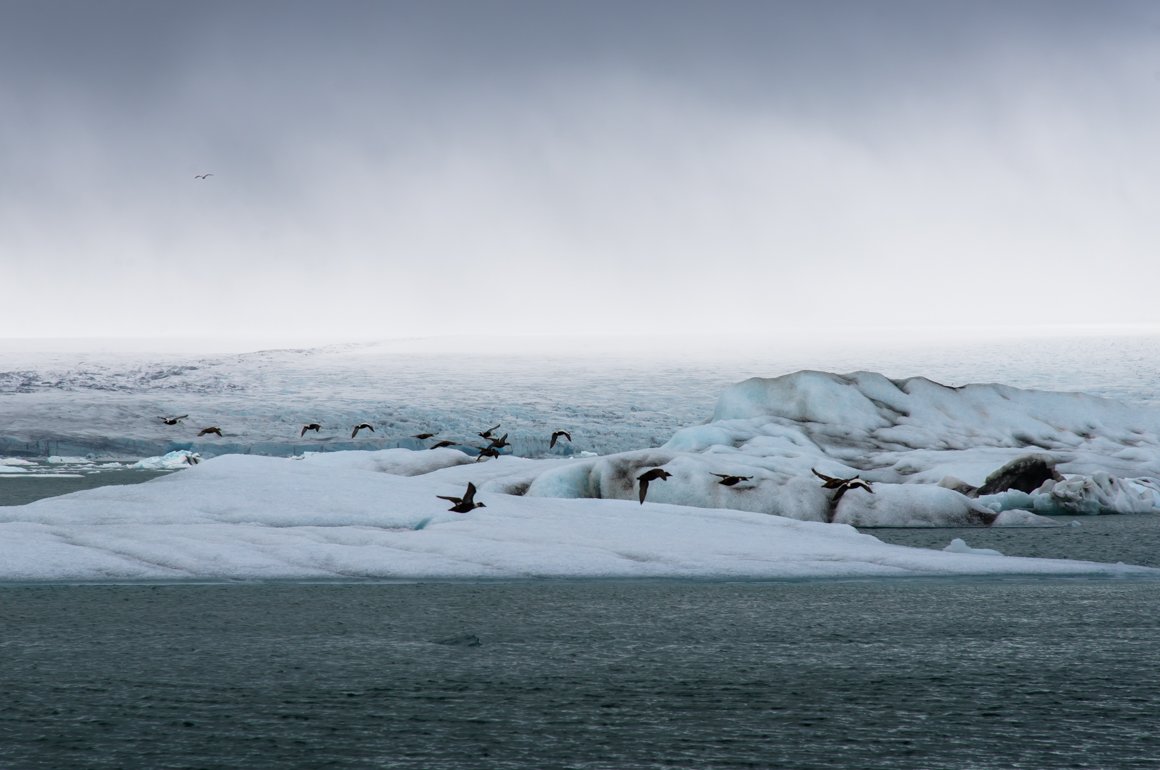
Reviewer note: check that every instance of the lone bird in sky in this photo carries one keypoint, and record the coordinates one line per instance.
(173, 420)
(202, 176)
(360, 426)
(214, 430)
(728, 481)
(441, 444)
(487, 433)
(556, 437)
(842, 486)
(647, 476)
(310, 426)
(465, 503)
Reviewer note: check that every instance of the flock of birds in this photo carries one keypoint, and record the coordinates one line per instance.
(495, 443)
(467, 502)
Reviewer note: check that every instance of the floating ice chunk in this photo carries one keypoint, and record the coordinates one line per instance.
(1098, 493)
(59, 460)
(958, 545)
(1020, 518)
(14, 461)
(911, 505)
(175, 460)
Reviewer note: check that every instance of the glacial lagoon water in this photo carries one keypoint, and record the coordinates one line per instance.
(583, 674)
(913, 673)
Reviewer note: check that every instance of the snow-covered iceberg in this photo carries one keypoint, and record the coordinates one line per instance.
(921, 444)
(358, 515)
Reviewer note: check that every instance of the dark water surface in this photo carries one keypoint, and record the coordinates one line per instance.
(25, 488)
(583, 674)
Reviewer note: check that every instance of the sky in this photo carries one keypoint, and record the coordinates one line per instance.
(392, 169)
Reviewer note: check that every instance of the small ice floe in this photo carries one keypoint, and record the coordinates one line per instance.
(958, 545)
(64, 460)
(171, 461)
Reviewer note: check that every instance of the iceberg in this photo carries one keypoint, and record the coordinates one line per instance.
(376, 515)
(924, 447)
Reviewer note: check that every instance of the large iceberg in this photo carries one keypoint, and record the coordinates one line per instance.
(920, 444)
(376, 515)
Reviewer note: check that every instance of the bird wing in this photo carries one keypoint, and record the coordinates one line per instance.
(469, 495)
(823, 476)
(354, 432)
(456, 500)
(723, 475)
(643, 489)
(303, 433)
(552, 443)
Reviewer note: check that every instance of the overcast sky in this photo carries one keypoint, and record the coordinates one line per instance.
(385, 169)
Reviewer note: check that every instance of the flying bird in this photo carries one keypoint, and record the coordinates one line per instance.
(556, 437)
(728, 481)
(842, 486)
(423, 435)
(172, 420)
(214, 430)
(202, 176)
(499, 443)
(487, 433)
(360, 426)
(465, 503)
(441, 444)
(310, 426)
(487, 451)
(647, 476)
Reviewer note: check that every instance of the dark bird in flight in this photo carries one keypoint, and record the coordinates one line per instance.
(360, 426)
(423, 435)
(499, 443)
(487, 451)
(214, 430)
(202, 176)
(487, 433)
(441, 444)
(173, 420)
(647, 476)
(728, 481)
(465, 503)
(842, 486)
(556, 437)
(310, 426)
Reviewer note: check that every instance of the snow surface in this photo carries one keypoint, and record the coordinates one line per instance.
(376, 515)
